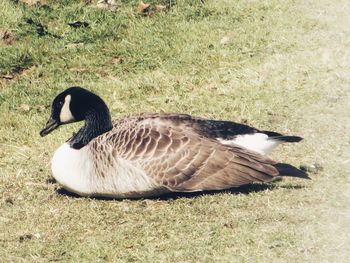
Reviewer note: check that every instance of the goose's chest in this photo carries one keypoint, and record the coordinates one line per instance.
(72, 168)
(81, 172)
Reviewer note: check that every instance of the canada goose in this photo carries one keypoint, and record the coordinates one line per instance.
(155, 153)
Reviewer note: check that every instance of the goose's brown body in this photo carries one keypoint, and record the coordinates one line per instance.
(175, 154)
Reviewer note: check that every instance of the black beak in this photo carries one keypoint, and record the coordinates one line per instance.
(50, 126)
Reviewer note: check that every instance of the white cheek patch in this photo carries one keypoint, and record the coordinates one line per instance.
(66, 115)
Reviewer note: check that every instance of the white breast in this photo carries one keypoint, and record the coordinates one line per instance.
(72, 169)
(77, 172)
(257, 142)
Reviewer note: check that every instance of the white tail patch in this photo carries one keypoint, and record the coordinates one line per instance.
(257, 142)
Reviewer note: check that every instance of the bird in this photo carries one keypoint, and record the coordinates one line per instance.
(151, 154)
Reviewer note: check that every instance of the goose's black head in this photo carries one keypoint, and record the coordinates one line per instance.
(77, 104)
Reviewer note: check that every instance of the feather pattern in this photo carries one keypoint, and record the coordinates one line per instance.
(177, 157)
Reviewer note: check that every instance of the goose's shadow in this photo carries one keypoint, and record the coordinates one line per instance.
(246, 189)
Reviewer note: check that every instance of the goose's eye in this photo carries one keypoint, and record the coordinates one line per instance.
(60, 103)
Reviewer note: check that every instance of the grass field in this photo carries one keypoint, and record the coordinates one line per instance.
(278, 65)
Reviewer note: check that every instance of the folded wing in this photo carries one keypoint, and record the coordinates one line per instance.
(176, 157)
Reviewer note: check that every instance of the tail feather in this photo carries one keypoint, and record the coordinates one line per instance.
(283, 138)
(289, 170)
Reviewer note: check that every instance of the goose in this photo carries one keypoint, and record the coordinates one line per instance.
(150, 154)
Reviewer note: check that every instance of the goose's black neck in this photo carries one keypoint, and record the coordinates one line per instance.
(97, 122)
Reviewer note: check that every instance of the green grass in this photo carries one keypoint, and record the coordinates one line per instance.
(285, 68)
